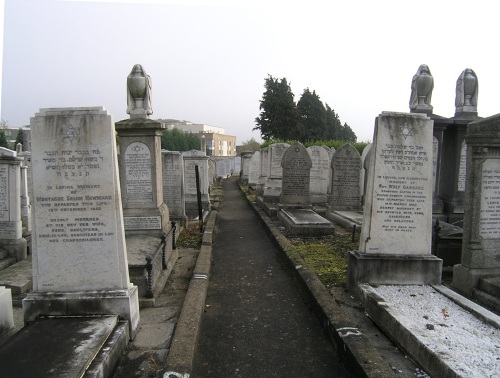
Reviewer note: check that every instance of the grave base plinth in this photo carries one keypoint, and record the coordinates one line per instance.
(17, 248)
(383, 269)
(305, 222)
(466, 279)
(124, 303)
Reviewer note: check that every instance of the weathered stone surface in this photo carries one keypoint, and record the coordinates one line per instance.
(481, 238)
(78, 239)
(320, 173)
(296, 165)
(6, 315)
(399, 189)
(346, 168)
(173, 183)
(254, 168)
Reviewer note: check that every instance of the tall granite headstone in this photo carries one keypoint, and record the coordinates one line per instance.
(320, 172)
(481, 236)
(78, 238)
(245, 166)
(272, 187)
(11, 232)
(192, 159)
(173, 185)
(346, 168)
(296, 164)
(264, 170)
(395, 243)
(254, 169)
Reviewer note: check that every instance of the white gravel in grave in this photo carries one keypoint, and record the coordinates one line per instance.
(466, 344)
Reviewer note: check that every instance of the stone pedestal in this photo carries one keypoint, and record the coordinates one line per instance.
(395, 243)
(141, 176)
(11, 230)
(481, 236)
(78, 239)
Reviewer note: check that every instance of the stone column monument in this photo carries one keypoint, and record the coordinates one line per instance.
(78, 241)
(481, 237)
(11, 231)
(395, 243)
(140, 161)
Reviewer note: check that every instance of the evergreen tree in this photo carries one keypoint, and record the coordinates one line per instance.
(19, 138)
(176, 140)
(278, 118)
(333, 124)
(312, 116)
(347, 134)
(3, 140)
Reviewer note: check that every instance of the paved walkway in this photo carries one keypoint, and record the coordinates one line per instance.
(256, 322)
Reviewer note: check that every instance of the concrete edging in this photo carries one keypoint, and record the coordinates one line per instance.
(352, 347)
(180, 359)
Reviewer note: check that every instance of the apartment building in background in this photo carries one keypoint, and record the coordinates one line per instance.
(217, 142)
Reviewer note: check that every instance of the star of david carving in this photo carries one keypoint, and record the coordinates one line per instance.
(407, 131)
(70, 132)
(137, 148)
(297, 149)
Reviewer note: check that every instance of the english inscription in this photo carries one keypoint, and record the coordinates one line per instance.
(489, 222)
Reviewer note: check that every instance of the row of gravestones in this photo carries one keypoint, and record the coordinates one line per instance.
(395, 243)
(336, 177)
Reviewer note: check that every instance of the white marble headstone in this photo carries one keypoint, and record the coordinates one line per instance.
(398, 205)
(78, 239)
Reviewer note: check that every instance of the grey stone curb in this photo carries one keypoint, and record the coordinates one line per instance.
(358, 355)
(180, 358)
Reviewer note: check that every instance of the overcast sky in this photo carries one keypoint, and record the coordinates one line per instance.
(208, 59)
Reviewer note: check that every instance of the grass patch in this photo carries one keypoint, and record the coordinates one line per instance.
(327, 255)
(190, 237)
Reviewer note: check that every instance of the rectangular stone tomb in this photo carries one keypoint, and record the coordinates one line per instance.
(64, 347)
(305, 222)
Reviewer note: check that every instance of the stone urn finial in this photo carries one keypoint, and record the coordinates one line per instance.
(466, 92)
(139, 93)
(422, 85)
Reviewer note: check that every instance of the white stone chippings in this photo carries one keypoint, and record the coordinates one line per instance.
(466, 344)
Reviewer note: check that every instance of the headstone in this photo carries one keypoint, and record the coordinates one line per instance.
(254, 169)
(264, 170)
(395, 243)
(192, 159)
(11, 232)
(330, 155)
(173, 185)
(245, 166)
(296, 164)
(222, 167)
(237, 164)
(481, 236)
(6, 314)
(211, 173)
(272, 188)
(141, 177)
(346, 168)
(78, 239)
(362, 173)
(320, 172)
